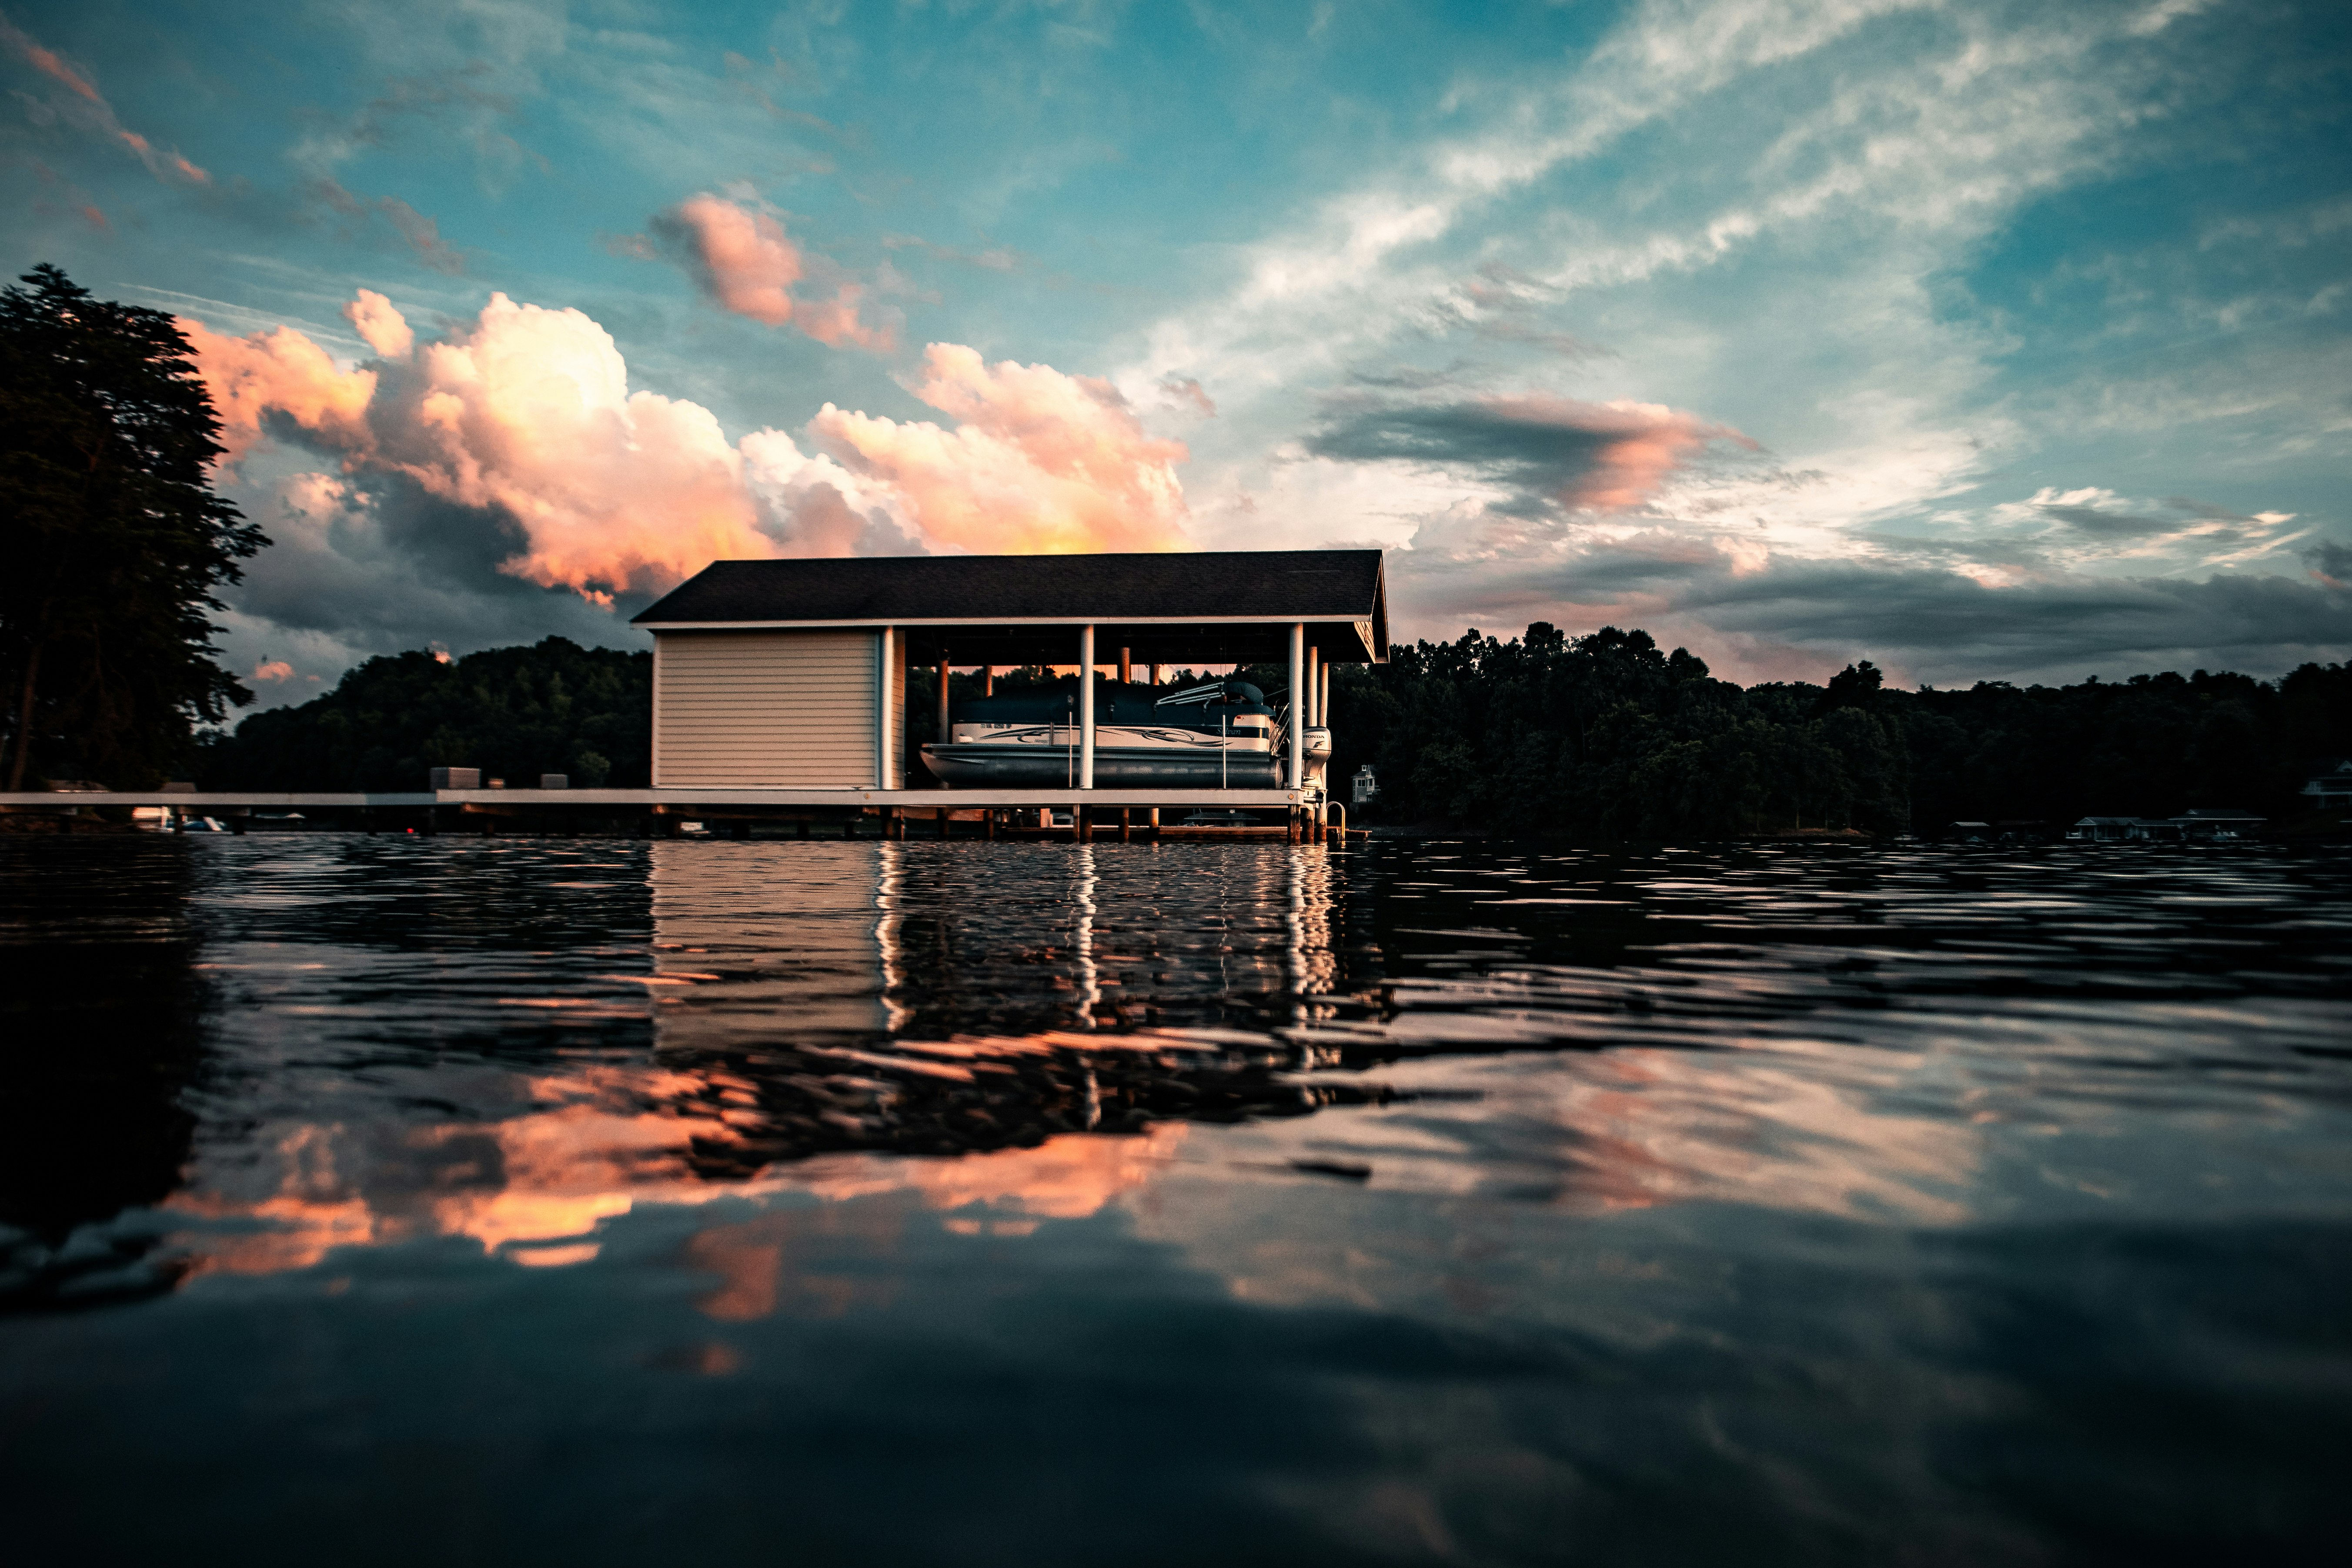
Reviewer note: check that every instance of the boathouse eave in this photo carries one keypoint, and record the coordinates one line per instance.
(1209, 606)
(1242, 639)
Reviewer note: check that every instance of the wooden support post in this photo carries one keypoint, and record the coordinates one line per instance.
(1123, 834)
(1298, 768)
(1126, 669)
(944, 814)
(1155, 822)
(988, 680)
(1082, 826)
(1293, 825)
(1085, 707)
(988, 825)
(942, 736)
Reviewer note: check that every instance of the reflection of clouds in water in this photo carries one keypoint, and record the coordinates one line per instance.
(764, 1264)
(515, 1184)
(534, 1187)
(1791, 1130)
(1765, 1128)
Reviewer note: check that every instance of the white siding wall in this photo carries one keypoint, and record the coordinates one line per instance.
(753, 709)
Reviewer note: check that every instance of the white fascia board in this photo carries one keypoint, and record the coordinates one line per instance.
(1004, 621)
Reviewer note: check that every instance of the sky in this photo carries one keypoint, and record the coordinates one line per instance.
(1987, 342)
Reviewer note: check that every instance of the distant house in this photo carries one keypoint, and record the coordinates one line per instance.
(1970, 832)
(2330, 788)
(2202, 822)
(2217, 821)
(1367, 788)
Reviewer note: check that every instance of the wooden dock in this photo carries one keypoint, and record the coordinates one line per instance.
(1048, 813)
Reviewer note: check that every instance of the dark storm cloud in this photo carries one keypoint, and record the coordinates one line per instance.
(2256, 622)
(388, 567)
(1552, 451)
(2330, 562)
(1939, 624)
(2112, 524)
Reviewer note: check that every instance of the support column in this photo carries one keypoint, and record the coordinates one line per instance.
(1155, 677)
(1297, 711)
(943, 706)
(1314, 685)
(1126, 669)
(883, 715)
(988, 680)
(1323, 700)
(1085, 707)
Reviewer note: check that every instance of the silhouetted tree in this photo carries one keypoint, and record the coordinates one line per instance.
(113, 538)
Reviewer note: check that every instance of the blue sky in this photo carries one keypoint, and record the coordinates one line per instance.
(1988, 341)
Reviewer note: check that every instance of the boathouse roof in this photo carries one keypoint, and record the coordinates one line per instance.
(1232, 606)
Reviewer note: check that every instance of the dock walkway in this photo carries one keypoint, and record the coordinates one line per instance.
(990, 813)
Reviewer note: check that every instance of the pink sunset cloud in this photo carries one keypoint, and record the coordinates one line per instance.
(1039, 461)
(1640, 445)
(525, 414)
(94, 113)
(744, 262)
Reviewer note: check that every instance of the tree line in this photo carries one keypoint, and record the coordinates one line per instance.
(1603, 736)
(1609, 736)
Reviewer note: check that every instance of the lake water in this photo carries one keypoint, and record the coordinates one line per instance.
(575, 1201)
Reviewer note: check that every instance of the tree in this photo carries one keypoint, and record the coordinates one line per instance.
(513, 712)
(115, 537)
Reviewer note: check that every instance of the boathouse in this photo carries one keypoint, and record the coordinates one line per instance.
(792, 674)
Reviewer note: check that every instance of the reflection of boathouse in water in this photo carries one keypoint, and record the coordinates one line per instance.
(791, 675)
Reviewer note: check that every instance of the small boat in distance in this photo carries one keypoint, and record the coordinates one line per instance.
(1220, 734)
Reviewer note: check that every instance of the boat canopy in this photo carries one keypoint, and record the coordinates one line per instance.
(1131, 704)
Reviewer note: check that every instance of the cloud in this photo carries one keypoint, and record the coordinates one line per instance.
(276, 378)
(1596, 457)
(512, 446)
(1183, 393)
(2091, 519)
(1797, 617)
(1039, 460)
(2098, 525)
(422, 233)
(273, 670)
(385, 329)
(744, 262)
(87, 110)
